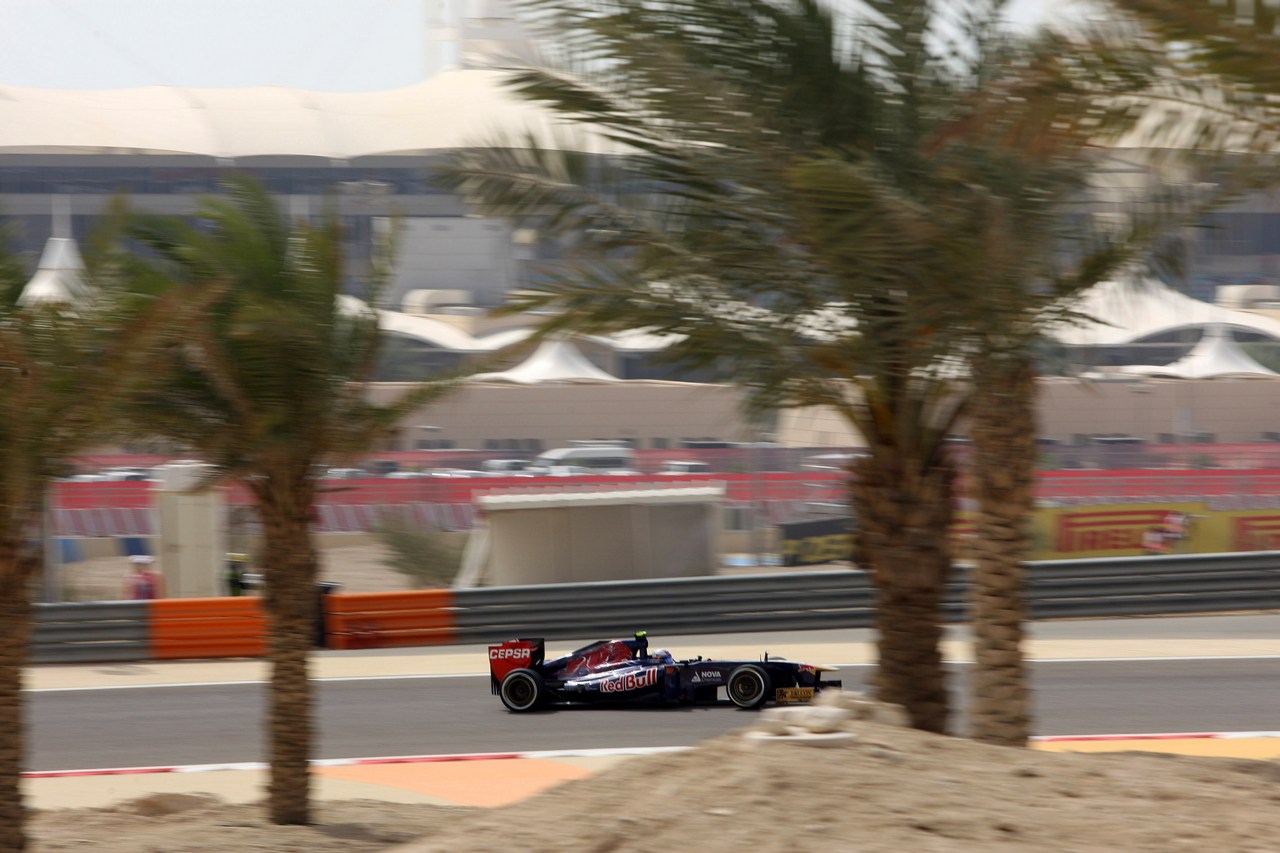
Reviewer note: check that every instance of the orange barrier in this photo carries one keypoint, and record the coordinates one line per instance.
(206, 628)
(364, 620)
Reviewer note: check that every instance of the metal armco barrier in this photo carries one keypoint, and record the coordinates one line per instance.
(1124, 586)
(783, 601)
(90, 631)
(1141, 586)
(773, 602)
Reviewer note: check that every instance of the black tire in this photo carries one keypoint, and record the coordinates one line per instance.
(522, 690)
(748, 686)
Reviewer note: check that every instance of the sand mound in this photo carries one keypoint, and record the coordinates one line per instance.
(883, 790)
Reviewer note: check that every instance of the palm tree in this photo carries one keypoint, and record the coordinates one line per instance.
(1171, 96)
(62, 366)
(270, 386)
(789, 197)
(841, 214)
(1237, 43)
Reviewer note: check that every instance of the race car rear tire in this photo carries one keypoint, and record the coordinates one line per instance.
(522, 690)
(748, 686)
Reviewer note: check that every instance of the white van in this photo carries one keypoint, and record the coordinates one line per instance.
(599, 457)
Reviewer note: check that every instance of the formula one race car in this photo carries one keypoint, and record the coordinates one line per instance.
(624, 671)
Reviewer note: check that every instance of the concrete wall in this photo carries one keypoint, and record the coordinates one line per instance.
(1232, 411)
(553, 415)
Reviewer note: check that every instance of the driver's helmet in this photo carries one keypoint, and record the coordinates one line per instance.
(662, 656)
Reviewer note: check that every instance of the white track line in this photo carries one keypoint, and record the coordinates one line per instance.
(559, 753)
(349, 762)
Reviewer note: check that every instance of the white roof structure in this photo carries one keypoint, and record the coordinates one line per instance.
(1216, 354)
(1129, 312)
(59, 275)
(441, 334)
(446, 336)
(553, 361)
(452, 109)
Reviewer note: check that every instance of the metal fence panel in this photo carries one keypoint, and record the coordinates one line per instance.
(89, 631)
(90, 611)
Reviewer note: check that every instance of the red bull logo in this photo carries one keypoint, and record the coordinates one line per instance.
(1113, 530)
(630, 681)
(1256, 533)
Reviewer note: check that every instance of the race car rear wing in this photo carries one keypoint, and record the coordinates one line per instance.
(514, 654)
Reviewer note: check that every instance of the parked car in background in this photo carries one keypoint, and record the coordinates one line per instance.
(134, 475)
(563, 471)
(601, 457)
(680, 466)
(113, 475)
(505, 467)
(347, 474)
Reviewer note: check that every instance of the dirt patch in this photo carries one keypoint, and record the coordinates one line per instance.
(358, 825)
(884, 791)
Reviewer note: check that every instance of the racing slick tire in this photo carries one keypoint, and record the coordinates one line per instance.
(748, 686)
(522, 690)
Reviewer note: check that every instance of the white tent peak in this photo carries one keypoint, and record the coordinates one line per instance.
(59, 276)
(1128, 312)
(1215, 354)
(552, 361)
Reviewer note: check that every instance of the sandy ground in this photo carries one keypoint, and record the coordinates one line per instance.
(888, 790)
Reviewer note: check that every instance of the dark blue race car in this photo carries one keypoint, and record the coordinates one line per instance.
(624, 671)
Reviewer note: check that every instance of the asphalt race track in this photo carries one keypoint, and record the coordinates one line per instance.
(223, 723)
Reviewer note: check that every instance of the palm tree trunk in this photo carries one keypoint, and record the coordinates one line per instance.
(1004, 442)
(904, 510)
(15, 627)
(290, 574)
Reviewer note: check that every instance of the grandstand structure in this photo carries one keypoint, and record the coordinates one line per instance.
(65, 154)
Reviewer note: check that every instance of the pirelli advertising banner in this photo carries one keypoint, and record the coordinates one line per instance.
(1130, 530)
(1079, 532)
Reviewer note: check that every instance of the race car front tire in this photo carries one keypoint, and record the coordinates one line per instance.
(748, 686)
(522, 690)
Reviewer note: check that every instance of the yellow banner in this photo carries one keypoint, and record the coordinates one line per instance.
(1251, 530)
(1133, 530)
